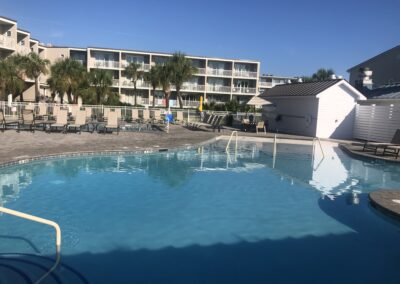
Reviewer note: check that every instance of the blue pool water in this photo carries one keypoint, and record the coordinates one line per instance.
(202, 216)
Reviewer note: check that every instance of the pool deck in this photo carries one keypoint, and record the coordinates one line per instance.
(356, 150)
(25, 145)
(387, 201)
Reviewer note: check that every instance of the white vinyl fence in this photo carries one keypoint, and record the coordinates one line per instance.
(376, 122)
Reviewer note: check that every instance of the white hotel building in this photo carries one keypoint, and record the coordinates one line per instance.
(217, 79)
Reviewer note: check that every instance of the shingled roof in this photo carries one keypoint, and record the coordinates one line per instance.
(299, 89)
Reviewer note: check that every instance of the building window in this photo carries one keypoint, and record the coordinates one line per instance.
(8, 33)
(22, 43)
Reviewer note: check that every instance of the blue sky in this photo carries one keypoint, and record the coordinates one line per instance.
(289, 38)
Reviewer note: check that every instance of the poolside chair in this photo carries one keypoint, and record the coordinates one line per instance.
(135, 114)
(112, 122)
(116, 110)
(61, 121)
(179, 117)
(261, 125)
(218, 123)
(157, 116)
(5, 122)
(80, 121)
(42, 110)
(27, 119)
(146, 116)
(375, 146)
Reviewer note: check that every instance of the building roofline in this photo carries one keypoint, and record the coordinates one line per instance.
(8, 19)
(23, 31)
(380, 54)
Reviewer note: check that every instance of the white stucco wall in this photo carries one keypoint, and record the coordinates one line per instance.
(298, 115)
(336, 112)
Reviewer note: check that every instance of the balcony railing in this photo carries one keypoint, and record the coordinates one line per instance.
(219, 72)
(7, 42)
(189, 87)
(105, 64)
(246, 74)
(139, 84)
(219, 89)
(201, 71)
(244, 90)
(115, 82)
(143, 66)
(264, 84)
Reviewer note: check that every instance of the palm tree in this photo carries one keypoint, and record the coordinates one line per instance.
(134, 73)
(34, 66)
(166, 74)
(323, 74)
(153, 78)
(11, 77)
(67, 75)
(183, 72)
(101, 81)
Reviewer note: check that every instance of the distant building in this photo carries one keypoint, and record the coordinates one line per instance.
(266, 82)
(385, 69)
(216, 80)
(324, 109)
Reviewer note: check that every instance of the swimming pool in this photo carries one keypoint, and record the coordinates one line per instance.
(202, 216)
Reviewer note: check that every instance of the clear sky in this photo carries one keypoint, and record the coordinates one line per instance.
(289, 37)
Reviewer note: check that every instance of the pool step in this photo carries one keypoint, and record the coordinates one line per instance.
(29, 268)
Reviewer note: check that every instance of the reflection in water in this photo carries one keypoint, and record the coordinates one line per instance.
(332, 172)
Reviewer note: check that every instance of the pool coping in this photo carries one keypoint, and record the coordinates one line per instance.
(382, 200)
(151, 150)
(366, 156)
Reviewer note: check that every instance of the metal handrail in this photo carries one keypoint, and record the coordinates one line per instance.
(320, 146)
(229, 141)
(42, 221)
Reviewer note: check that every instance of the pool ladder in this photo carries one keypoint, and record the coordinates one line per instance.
(229, 141)
(41, 221)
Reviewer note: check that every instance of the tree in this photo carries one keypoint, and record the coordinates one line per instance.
(134, 73)
(34, 66)
(11, 74)
(182, 72)
(166, 74)
(323, 74)
(101, 81)
(67, 76)
(153, 78)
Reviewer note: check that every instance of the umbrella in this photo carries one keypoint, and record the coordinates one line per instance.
(257, 101)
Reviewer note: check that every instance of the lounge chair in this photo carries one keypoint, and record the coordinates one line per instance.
(375, 146)
(112, 121)
(42, 110)
(6, 122)
(135, 115)
(80, 121)
(179, 117)
(146, 116)
(157, 116)
(261, 125)
(27, 119)
(61, 121)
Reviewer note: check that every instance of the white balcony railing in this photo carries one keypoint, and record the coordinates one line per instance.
(244, 90)
(139, 84)
(219, 72)
(265, 84)
(143, 101)
(105, 64)
(219, 89)
(201, 71)
(190, 87)
(7, 42)
(143, 66)
(115, 82)
(244, 73)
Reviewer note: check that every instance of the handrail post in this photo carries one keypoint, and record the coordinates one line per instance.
(229, 141)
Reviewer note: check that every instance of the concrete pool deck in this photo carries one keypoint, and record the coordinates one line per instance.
(387, 201)
(26, 145)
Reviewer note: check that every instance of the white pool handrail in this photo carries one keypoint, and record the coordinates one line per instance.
(42, 221)
(230, 139)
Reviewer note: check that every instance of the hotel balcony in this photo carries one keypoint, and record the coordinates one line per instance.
(23, 50)
(139, 84)
(244, 90)
(200, 71)
(7, 42)
(104, 64)
(265, 84)
(219, 72)
(245, 74)
(115, 82)
(194, 88)
(219, 89)
(143, 66)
